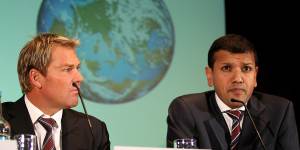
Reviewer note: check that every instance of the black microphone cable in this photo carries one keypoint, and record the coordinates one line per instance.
(258, 134)
(85, 112)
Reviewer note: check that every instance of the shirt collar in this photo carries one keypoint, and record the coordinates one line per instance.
(223, 107)
(35, 113)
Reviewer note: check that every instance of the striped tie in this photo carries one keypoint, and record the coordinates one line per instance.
(48, 124)
(236, 116)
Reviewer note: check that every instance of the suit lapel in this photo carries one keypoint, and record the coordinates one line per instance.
(257, 110)
(68, 126)
(19, 118)
(216, 126)
(218, 136)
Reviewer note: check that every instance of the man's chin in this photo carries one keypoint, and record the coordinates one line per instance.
(73, 104)
(241, 96)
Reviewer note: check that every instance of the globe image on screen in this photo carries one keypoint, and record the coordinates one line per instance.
(126, 46)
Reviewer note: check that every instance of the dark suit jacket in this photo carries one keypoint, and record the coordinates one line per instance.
(75, 130)
(198, 116)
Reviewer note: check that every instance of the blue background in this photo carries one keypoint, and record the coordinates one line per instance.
(141, 122)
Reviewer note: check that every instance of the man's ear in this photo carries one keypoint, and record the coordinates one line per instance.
(35, 77)
(209, 76)
(256, 71)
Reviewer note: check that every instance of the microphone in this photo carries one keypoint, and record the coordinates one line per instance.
(85, 112)
(258, 134)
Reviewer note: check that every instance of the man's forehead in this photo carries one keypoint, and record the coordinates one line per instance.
(234, 58)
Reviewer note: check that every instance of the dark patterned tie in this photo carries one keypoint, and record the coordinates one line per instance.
(48, 124)
(236, 116)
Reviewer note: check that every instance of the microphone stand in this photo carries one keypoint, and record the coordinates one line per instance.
(85, 112)
(247, 110)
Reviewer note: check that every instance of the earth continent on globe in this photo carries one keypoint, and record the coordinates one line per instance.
(126, 46)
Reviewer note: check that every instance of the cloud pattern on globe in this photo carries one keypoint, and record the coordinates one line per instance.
(126, 46)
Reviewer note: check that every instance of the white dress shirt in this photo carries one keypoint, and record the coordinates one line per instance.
(223, 107)
(39, 130)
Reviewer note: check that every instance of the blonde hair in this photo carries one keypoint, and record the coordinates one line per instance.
(36, 54)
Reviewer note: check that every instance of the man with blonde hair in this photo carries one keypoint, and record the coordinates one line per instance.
(48, 70)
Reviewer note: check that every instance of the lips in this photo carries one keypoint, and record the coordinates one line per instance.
(75, 91)
(237, 90)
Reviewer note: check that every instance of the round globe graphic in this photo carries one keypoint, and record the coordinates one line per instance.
(126, 46)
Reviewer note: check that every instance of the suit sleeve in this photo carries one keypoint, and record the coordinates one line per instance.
(104, 138)
(180, 121)
(288, 134)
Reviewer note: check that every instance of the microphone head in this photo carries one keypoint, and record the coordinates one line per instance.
(75, 85)
(78, 89)
(235, 100)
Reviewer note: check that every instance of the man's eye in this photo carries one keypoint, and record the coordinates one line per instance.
(226, 68)
(247, 69)
(68, 69)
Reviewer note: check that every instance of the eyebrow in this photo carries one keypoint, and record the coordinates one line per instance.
(70, 65)
(249, 63)
(242, 63)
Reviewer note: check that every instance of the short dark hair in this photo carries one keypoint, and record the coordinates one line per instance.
(232, 43)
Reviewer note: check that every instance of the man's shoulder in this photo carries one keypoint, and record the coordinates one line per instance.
(274, 104)
(197, 101)
(11, 103)
(195, 97)
(8, 105)
(11, 106)
(8, 108)
(270, 99)
(70, 113)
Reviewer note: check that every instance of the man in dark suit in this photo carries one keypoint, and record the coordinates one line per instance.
(218, 123)
(48, 68)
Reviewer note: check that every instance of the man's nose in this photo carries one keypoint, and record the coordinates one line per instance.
(237, 76)
(78, 76)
